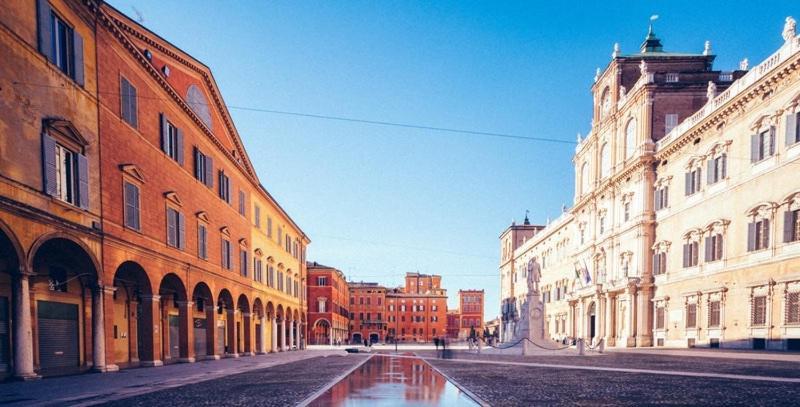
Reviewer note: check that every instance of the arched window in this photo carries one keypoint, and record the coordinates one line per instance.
(584, 178)
(605, 103)
(605, 160)
(630, 138)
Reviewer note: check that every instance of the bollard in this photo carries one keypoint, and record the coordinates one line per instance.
(579, 344)
(601, 347)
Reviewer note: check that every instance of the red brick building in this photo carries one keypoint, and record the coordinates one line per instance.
(367, 312)
(418, 311)
(470, 307)
(328, 296)
(453, 324)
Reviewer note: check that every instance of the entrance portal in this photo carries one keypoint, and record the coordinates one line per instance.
(592, 322)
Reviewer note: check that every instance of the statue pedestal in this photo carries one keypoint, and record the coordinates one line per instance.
(529, 331)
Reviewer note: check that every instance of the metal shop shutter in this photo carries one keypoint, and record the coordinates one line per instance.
(200, 347)
(58, 336)
(4, 336)
(174, 337)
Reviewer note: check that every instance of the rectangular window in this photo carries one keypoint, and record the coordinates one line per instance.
(269, 227)
(714, 247)
(659, 318)
(717, 169)
(203, 168)
(226, 254)
(714, 314)
(280, 235)
(690, 257)
(271, 276)
(128, 103)
(171, 140)
(758, 235)
(224, 187)
(691, 315)
(626, 210)
(257, 216)
(176, 229)
(322, 281)
(670, 121)
(602, 225)
(242, 203)
(692, 181)
(791, 226)
(793, 308)
(662, 198)
(202, 241)
(257, 270)
(762, 145)
(66, 173)
(792, 129)
(132, 216)
(659, 263)
(243, 262)
(759, 311)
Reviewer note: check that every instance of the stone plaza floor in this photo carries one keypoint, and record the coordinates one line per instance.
(666, 377)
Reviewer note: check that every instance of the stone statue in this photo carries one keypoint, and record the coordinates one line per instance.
(622, 92)
(789, 29)
(597, 74)
(707, 48)
(643, 68)
(744, 65)
(534, 275)
(616, 50)
(711, 92)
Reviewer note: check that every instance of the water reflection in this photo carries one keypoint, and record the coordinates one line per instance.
(393, 381)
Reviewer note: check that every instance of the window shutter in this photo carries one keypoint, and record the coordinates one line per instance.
(710, 172)
(688, 183)
(719, 247)
(685, 255)
(209, 172)
(754, 156)
(181, 231)
(791, 129)
(83, 181)
(45, 23)
(180, 146)
(49, 165)
(724, 165)
(196, 162)
(171, 220)
(766, 233)
(656, 268)
(772, 141)
(164, 132)
(698, 179)
(78, 50)
(665, 197)
(788, 226)
(657, 199)
(709, 249)
(128, 191)
(751, 236)
(123, 99)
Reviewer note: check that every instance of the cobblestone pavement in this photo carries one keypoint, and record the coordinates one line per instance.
(282, 385)
(93, 388)
(500, 383)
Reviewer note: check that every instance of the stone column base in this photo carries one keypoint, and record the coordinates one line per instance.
(152, 363)
(186, 360)
(261, 353)
(210, 357)
(231, 355)
(106, 369)
(247, 353)
(27, 377)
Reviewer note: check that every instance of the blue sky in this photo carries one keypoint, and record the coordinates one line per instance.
(381, 201)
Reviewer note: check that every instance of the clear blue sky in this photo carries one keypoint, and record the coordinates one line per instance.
(377, 201)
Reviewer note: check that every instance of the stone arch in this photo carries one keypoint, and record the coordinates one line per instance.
(134, 340)
(592, 330)
(226, 311)
(243, 323)
(203, 322)
(10, 250)
(11, 258)
(321, 332)
(174, 319)
(260, 324)
(67, 239)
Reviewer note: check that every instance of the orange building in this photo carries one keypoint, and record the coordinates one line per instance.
(328, 316)
(176, 252)
(367, 312)
(418, 311)
(470, 309)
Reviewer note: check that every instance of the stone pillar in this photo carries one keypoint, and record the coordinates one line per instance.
(133, 330)
(611, 329)
(283, 334)
(273, 334)
(644, 311)
(632, 305)
(247, 335)
(99, 331)
(211, 332)
(230, 330)
(263, 341)
(23, 333)
(571, 318)
(151, 348)
(186, 331)
(291, 335)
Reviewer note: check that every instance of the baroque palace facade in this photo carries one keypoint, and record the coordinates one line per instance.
(134, 230)
(685, 227)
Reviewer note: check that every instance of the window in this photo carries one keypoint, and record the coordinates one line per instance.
(662, 197)
(59, 42)
(605, 103)
(280, 281)
(176, 229)
(321, 305)
(758, 235)
(242, 203)
(691, 315)
(280, 235)
(659, 317)
(269, 227)
(605, 160)
(66, 173)
(258, 274)
(243, 262)
(127, 100)
(714, 247)
(659, 263)
(287, 243)
(791, 226)
(670, 121)
(132, 215)
(717, 169)
(793, 308)
(584, 178)
(692, 181)
(690, 258)
(322, 281)
(762, 145)
(759, 311)
(226, 254)
(171, 140)
(202, 241)
(224, 187)
(602, 224)
(626, 211)
(583, 235)
(714, 313)
(257, 216)
(630, 139)
(792, 129)
(352, 300)
(203, 168)
(271, 276)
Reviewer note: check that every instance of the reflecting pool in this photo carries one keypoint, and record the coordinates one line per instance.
(394, 381)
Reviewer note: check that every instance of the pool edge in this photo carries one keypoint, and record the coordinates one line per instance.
(461, 387)
(306, 401)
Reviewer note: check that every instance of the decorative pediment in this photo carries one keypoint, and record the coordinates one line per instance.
(280, 266)
(225, 231)
(762, 210)
(202, 215)
(662, 246)
(270, 259)
(694, 162)
(133, 171)
(718, 225)
(258, 252)
(66, 129)
(243, 242)
(663, 181)
(762, 121)
(172, 196)
(693, 234)
(718, 148)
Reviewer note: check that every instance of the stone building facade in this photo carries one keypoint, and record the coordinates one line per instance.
(328, 312)
(367, 312)
(638, 262)
(133, 229)
(418, 311)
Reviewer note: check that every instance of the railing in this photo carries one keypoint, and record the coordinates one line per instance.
(786, 51)
(672, 78)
